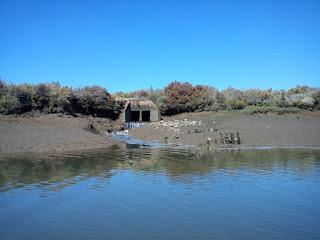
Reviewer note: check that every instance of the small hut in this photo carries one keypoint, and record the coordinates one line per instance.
(137, 110)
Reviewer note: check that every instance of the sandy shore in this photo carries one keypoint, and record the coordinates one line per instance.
(52, 133)
(258, 130)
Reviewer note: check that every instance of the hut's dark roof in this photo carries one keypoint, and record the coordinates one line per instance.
(141, 105)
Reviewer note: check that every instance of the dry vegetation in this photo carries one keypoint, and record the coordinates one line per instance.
(53, 98)
(177, 97)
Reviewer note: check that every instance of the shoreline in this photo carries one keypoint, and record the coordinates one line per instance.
(157, 144)
(54, 134)
(204, 130)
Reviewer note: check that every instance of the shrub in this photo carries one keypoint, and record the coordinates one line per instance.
(161, 104)
(206, 98)
(8, 104)
(234, 99)
(183, 97)
(155, 94)
(257, 97)
(3, 88)
(59, 99)
(142, 94)
(232, 93)
(299, 90)
(200, 99)
(316, 98)
(280, 99)
(178, 97)
(269, 109)
(24, 94)
(301, 101)
(236, 104)
(42, 97)
(52, 98)
(218, 100)
(121, 95)
(97, 101)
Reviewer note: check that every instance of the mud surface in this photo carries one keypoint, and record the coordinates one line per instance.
(258, 130)
(53, 133)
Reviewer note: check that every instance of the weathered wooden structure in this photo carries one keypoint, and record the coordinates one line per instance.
(137, 110)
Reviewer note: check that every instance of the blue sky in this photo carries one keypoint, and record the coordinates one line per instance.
(127, 45)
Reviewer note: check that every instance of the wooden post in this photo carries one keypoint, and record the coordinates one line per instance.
(238, 138)
(231, 137)
(140, 116)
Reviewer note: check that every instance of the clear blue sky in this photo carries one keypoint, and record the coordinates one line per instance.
(126, 45)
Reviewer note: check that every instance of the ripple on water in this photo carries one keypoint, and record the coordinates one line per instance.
(162, 193)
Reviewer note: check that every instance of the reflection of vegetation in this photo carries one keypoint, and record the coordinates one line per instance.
(50, 169)
(177, 164)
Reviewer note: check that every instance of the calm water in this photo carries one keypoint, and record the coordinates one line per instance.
(162, 194)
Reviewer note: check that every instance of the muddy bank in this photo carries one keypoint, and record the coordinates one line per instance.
(54, 133)
(258, 130)
(61, 133)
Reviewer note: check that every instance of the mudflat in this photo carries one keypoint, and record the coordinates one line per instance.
(256, 130)
(53, 133)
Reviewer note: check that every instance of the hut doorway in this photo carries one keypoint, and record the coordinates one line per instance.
(146, 116)
(135, 115)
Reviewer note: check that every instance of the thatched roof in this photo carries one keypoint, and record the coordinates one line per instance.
(140, 105)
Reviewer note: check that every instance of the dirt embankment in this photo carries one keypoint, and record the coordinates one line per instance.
(288, 130)
(54, 133)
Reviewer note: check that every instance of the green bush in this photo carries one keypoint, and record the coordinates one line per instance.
(52, 98)
(269, 109)
(8, 104)
(257, 97)
(59, 99)
(24, 94)
(232, 93)
(234, 99)
(280, 99)
(175, 98)
(139, 94)
(161, 104)
(3, 88)
(96, 101)
(302, 101)
(236, 104)
(155, 95)
(42, 97)
(316, 98)
(218, 100)
(299, 90)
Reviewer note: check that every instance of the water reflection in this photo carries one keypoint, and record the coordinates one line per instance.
(60, 170)
(150, 193)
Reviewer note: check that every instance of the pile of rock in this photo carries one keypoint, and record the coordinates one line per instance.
(175, 123)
